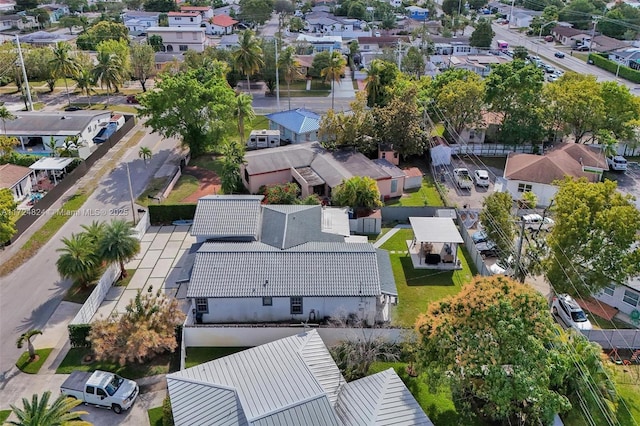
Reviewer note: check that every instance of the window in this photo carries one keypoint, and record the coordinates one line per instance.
(394, 185)
(177, 19)
(609, 289)
(296, 305)
(183, 47)
(179, 36)
(630, 297)
(202, 305)
(384, 155)
(267, 301)
(101, 392)
(195, 36)
(524, 187)
(90, 390)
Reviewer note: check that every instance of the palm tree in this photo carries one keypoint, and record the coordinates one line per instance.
(145, 153)
(5, 115)
(63, 64)
(243, 109)
(333, 72)
(78, 261)
(119, 244)
(38, 412)
(26, 337)
(94, 232)
(85, 82)
(374, 86)
(108, 71)
(289, 66)
(53, 146)
(248, 56)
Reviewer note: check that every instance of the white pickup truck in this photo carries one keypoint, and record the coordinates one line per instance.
(101, 389)
(462, 178)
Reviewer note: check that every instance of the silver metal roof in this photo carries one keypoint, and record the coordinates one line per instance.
(435, 230)
(312, 269)
(61, 123)
(380, 399)
(286, 226)
(225, 216)
(272, 384)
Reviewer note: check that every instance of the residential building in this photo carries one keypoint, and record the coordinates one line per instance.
(296, 125)
(625, 298)
(279, 263)
(17, 22)
(230, 10)
(478, 133)
(185, 19)
(221, 25)
(291, 378)
(457, 48)
(137, 22)
(480, 64)
(17, 179)
(230, 42)
(418, 13)
(376, 44)
(7, 5)
(523, 18)
(386, 152)
(180, 39)
(566, 35)
(316, 170)
(537, 173)
(205, 11)
(45, 38)
(627, 57)
(168, 59)
(35, 129)
(55, 11)
(604, 44)
(395, 3)
(322, 43)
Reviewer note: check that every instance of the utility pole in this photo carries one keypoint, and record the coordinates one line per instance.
(511, 13)
(133, 207)
(593, 31)
(519, 276)
(277, 77)
(399, 55)
(24, 75)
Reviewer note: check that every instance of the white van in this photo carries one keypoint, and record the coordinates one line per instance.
(617, 163)
(536, 222)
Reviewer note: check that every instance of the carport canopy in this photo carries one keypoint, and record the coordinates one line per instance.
(51, 163)
(435, 230)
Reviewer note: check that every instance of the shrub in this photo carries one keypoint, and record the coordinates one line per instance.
(167, 414)
(78, 334)
(166, 213)
(612, 66)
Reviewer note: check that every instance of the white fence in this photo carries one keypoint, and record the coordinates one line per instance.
(112, 273)
(492, 149)
(610, 339)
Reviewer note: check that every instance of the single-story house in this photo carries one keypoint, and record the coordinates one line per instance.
(418, 13)
(295, 125)
(625, 298)
(55, 11)
(316, 170)
(376, 44)
(565, 35)
(20, 22)
(480, 64)
(537, 173)
(285, 263)
(138, 21)
(34, 129)
(604, 44)
(628, 57)
(289, 381)
(222, 25)
(488, 127)
(523, 18)
(167, 59)
(454, 48)
(7, 5)
(45, 38)
(18, 179)
(323, 43)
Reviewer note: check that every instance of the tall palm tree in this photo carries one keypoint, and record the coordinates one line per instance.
(243, 109)
(248, 55)
(78, 261)
(289, 66)
(26, 337)
(85, 82)
(94, 232)
(333, 72)
(145, 153)
(5, 115)
(38, 412)
(64, 65)
(373, 83)
(119, 244)
(108, 71)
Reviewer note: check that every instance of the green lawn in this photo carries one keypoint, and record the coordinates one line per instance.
(628, 384)
(419, 287)
(427, 195)
(4, 415)
(209, 162)
(373, 238)
(185, 186)
(123, 282)
(78, 293)
(74, 361)
(155, 416)
(33, 367)
(600, 322)
(438, 405)
(438, 130)
(302, 85)
(200, 355)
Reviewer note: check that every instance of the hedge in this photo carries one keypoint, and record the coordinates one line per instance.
(612, 66)
(167, 412)
(164, 214)
(78, 335)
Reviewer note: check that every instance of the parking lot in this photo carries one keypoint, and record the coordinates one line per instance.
(629, 181)
(472, 198)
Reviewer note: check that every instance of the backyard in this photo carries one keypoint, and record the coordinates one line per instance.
(427, 195)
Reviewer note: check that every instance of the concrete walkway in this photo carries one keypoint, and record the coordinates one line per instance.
(390, 234)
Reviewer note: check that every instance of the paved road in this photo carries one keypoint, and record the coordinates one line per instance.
(29, 296)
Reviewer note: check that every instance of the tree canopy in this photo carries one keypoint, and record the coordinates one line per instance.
(482, 35)
(103, 30)
(497, 220)
(7, 215)
(195, 105)
(358, 191)
(594, 242)
(256, 11)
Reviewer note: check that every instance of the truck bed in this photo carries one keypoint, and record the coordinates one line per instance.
(76, 381)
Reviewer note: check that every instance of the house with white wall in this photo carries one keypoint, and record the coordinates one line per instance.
(137, 21)
(537, 173)
(180, 39)
(293, 380)
(221, 25)
(295, 125)
(34, 129)
(205, 11)
(20, 22)
(185, 19)
(625, 298)
(321, 43)
(17, 179)
(286, 263)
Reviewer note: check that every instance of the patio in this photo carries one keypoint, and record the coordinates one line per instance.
(435, 245)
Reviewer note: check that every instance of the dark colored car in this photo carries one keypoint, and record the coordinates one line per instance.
(72, 108)
(132, 99)
(559, 55)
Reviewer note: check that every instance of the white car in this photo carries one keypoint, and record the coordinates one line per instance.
(481, 178)
(535, 222)
(570, 312)
(503, 267)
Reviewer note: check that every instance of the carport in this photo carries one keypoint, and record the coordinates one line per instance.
(435, 243)
(55, 167)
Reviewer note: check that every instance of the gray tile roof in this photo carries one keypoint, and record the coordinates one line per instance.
(391, 169)
(227, 216)
(380, 399)
(312, 269)
(286, 382)
(63, 123)
(387, 281)
(286, 226)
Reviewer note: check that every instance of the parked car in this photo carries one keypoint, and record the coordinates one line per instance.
(618, 163)
(503, 267)
(559, 72)
(101, 389)
(132, 99)
(559, 55)
(583, 48)
(479, 237)
(535, 222)
(548, 38)
(462, 178)
(481, 178)
(72, 108)
(549, 69)
(488, 249)
(552, 77)
(570, 312)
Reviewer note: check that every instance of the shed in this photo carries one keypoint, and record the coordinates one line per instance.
(412, 178)
(440, 151)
